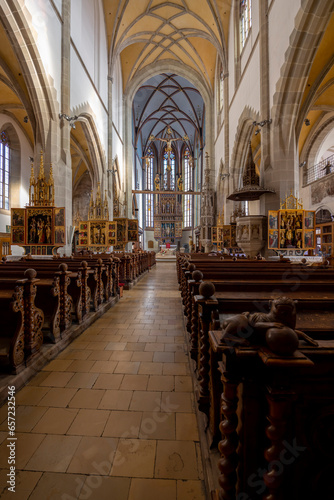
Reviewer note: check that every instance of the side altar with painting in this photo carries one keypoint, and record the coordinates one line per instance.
(98, 233)
(40, 226)
(291, 229)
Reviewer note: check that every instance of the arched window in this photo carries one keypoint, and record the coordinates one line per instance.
(149, 185)
(172, 171)
(4, 171)
(245, 20)
(221, 91)
(187, 199)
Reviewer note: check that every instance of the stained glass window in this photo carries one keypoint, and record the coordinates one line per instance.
(187, 199)
(149, 185)
(172, 171)
(4, 171)
(245, 20)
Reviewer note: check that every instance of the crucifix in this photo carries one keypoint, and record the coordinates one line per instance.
(168, 142)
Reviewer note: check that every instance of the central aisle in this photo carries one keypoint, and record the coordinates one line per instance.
(112, 418)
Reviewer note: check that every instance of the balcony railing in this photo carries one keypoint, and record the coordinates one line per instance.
(319, 170)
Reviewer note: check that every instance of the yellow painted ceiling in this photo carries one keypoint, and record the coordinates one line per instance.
(143, 32)
(320, 91)
(11, 78)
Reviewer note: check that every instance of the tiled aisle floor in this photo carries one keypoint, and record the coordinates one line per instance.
(112, 418)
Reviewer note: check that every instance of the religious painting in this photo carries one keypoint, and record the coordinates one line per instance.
(59, 236)
(132, 230)
(17, 236)
(112, 228)
(214, 234)
(309, 239)
(39, 226)
(273, 219)
(309, 220)
(97, 233)
(122, 230)
(83, 234)
(273, 239)
(18, 217)
(59, 216)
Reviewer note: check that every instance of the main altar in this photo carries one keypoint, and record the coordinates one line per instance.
(167, 219)
(39, 227)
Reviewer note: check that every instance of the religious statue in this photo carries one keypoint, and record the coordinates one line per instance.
(180, 183)
(157, 182)
(168, 142)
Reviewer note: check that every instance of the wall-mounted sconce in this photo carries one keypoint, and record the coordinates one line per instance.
(224, 176)
(70, 119)
(261, 124)
(307, 122)
(26, 119)
(301, 165)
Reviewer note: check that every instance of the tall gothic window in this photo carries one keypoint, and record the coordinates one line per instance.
(149, 185)
(4, 171)
(172, 172)
(187, 199)
(221, 91)
(245, 20)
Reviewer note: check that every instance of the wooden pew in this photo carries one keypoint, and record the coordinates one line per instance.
(32, 317)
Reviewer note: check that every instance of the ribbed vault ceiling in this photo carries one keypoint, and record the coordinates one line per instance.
(143, 32)
(167, 99)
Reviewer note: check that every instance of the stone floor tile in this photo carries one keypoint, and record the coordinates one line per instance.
(56, 486)
(104, 366)
(57, 379)
(82, 380)
(129, 367)
(123, 424)
(161, 383)
(146, 400)
(54, 453)
(76, 354)
(135, 346)
(186, 427)
(99, 356)
(108, 381)
(183, 384)
(174, 368)
(142, 356)
(55, 421)
(190, 490)
(94, 455)
(157, 425)
(134, 458)
(116, 400)
(150, 368)
(38, 378)
(89, 423)
(152, 489)
(97, 346)
(58, 365)
(27, 417)
(154, 346)
(181, 402)
(99, 487)
(80, 365)
(176, 460)
(163, 357)
(25, 447)
(134, 382)
(25, 482)
(115, 346)
(30, 396)
(120, 355)
(57, 397)
(87, 398)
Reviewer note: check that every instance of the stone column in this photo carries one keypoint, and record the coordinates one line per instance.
(110, 177)
(62, 162)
